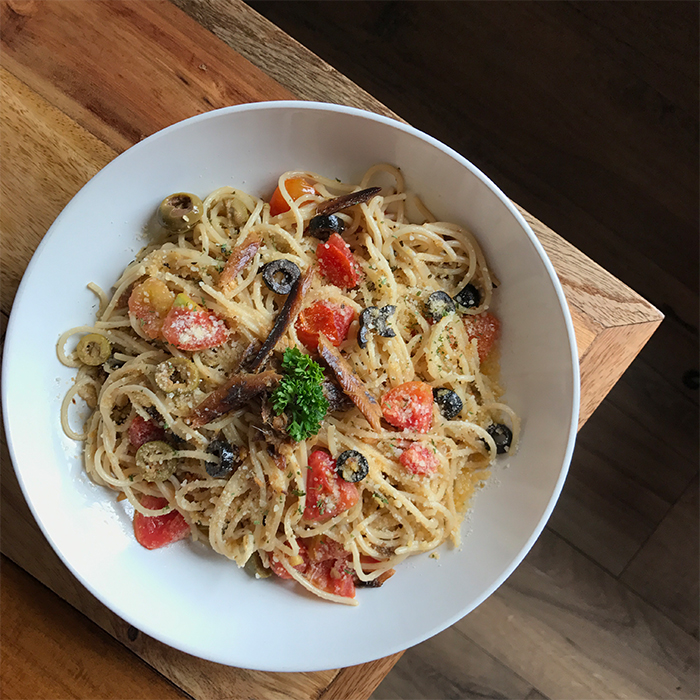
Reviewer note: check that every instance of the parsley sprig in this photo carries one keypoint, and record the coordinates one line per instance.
(299, 394)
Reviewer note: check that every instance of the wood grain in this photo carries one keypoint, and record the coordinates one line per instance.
(662, 570)
(632, 462)
(570, 629)
(451, 666)
(164, 67)
(606, 512)
(281, 57)
(359, 681)
(561, 625)
(51, 159)
(76, 658)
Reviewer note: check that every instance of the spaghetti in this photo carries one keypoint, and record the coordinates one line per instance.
(193, 309)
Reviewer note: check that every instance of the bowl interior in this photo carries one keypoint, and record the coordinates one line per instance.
(206, 606)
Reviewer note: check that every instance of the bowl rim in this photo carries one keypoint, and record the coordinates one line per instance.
(328, 108)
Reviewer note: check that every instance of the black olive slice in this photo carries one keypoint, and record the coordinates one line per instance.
(375, 319)
(382, 320)
(368, 318)
(502, 436)
(449, 402)
(285, 269)
(228, 454)
(322, 226)
(438, 305)
(352, 466)
(469, 297)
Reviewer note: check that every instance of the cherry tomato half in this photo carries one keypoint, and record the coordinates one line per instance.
(486, 328)
(409, 406)
(327, 317)
(419, 459)
(337, 263)
(278, 569)
(324, 563)
(189, 327)
(327, 494)
(329, 567)
(296, 187)
(153, 532)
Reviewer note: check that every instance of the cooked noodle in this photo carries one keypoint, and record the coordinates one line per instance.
(259, 507)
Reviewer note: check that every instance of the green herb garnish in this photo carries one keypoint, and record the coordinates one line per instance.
(299, 395)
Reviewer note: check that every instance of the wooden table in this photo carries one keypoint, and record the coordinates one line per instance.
(83, 81)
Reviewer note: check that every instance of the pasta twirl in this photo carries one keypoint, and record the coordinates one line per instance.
(420, 474)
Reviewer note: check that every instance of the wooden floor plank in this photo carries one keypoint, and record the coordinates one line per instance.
(659, 405)
(646, 458)
(450, 666)
(671, 352)
(631, 463)
(65, 655)
(604, 512)
(574, 631)
(665, 569)
(665, 63)
(535, 694)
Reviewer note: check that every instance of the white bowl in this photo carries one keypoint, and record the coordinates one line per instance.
(185, 595)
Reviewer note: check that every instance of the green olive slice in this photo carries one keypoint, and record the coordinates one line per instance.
(179, 212)
(94, 349)
(177, 375)
(254, 567)
(156, 460)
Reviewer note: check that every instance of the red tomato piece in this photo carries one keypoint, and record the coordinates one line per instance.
(329, 567)
(324, 548)
(333, 576)
(142, 431)
(194, 328)
(325, 564)
(409, 406)
(296, 187)
(153, 532)
(327, 495)
(278, 569)
(327, 317)
(486, 328)
(419, 459)
(149, 302)
(337, 263)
